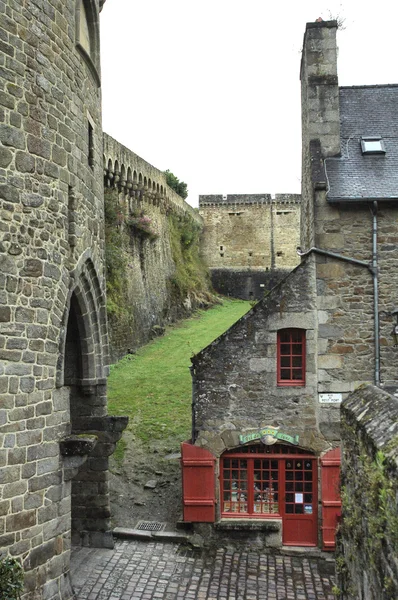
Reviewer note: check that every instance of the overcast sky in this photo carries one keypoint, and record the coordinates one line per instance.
(210, 89)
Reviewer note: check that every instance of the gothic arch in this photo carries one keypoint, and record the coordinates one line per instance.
(83, 343)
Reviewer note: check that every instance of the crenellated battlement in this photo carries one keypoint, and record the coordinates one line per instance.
(142, 182)
(234, 200)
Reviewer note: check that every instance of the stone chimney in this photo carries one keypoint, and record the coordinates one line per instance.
(319, 87)
(320, 117)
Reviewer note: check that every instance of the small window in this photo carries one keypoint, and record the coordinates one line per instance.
(90, 145)
(291, 357)
(372, 145)
(280, 253)
(221, 254)
(221, 248)
(250, 253)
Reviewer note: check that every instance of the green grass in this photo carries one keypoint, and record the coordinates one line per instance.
(153, 387)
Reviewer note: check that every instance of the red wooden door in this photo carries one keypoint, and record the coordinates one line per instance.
(198, 485)
(299, 501)
(331, 500)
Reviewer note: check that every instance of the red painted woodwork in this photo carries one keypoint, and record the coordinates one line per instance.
(331, 500)
(198, 484)
(260, 482)
(291, 357)
(300, 501)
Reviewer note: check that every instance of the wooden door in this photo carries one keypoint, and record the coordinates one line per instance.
(299, 501)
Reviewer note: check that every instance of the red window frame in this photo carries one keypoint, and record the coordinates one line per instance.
(291, 357)
(288, 472)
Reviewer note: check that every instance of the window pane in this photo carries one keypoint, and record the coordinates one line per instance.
(285, 373)
(296, 335)
(299, 509)
(285, 361)
(297, 361)
(297, 375)
(297, 349)
(285, 349)
(284, 336)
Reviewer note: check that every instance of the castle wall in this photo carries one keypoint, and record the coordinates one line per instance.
(155, 285)
(53, 331)
(249, 242)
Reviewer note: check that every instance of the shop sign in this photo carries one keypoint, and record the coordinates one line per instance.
(330, 398)
(269, 436)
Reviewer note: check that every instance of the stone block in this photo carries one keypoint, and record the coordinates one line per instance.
(328, 361)
(10, 136)
(24, 162)
(20, 521)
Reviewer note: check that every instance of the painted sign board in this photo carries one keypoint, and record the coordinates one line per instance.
(268, 436)
(330, 398)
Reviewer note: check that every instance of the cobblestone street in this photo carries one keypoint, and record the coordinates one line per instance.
(137, 570)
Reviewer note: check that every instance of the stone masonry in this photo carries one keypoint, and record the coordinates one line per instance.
(249, 242)
(55, 435)
(370, 497)
(137, 188)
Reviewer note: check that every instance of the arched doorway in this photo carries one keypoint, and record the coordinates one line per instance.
(278, 481)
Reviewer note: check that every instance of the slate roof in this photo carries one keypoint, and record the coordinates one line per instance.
(365, 111)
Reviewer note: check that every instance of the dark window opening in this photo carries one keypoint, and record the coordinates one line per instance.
(279, 253)
(90, 145)
(291, 357)
(250, 253)
(221, 248)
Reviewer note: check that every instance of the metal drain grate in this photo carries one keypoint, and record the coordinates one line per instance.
(150, 526)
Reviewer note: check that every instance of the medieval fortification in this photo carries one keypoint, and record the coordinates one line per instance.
(97, 254)
(56, 435)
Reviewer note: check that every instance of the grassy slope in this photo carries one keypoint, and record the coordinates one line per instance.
(153, 387)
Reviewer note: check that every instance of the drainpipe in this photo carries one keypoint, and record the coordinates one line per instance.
(194, 389)
(373, 268)
(375, 272)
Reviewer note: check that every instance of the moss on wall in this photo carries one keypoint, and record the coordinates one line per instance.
(154, 272)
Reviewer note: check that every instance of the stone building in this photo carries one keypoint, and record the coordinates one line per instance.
(249, 242)
(53, 330)
(267, 393)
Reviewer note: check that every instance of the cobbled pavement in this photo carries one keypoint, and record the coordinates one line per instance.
(137, 570)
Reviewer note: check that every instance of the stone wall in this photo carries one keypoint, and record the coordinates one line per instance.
(53, 330)
(154, 272)
(235, 381)
(367, 556)
(345, 292)
(249, 240)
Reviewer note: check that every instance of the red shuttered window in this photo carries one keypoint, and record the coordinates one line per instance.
(291, 357)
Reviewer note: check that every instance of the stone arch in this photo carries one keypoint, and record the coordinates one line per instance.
(88, 320)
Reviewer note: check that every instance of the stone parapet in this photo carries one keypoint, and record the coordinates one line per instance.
(370, 491)
(134, 176)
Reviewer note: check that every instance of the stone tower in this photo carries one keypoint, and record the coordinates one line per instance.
(53, 329)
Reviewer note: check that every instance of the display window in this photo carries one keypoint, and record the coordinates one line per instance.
(276, 481)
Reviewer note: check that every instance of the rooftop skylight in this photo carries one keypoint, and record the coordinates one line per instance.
(372, 145)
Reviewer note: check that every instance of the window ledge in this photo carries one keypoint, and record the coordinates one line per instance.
(251, 524)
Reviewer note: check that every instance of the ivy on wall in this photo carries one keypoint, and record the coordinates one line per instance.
(191, 276)
(11, 579)
(116, 257)
(370, 520)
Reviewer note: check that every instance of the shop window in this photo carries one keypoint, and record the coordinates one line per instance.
(267, 481)
(291, 357)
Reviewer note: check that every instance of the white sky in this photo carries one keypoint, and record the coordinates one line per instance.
(210, 89)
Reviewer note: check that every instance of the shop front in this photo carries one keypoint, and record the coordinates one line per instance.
(259, 482)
